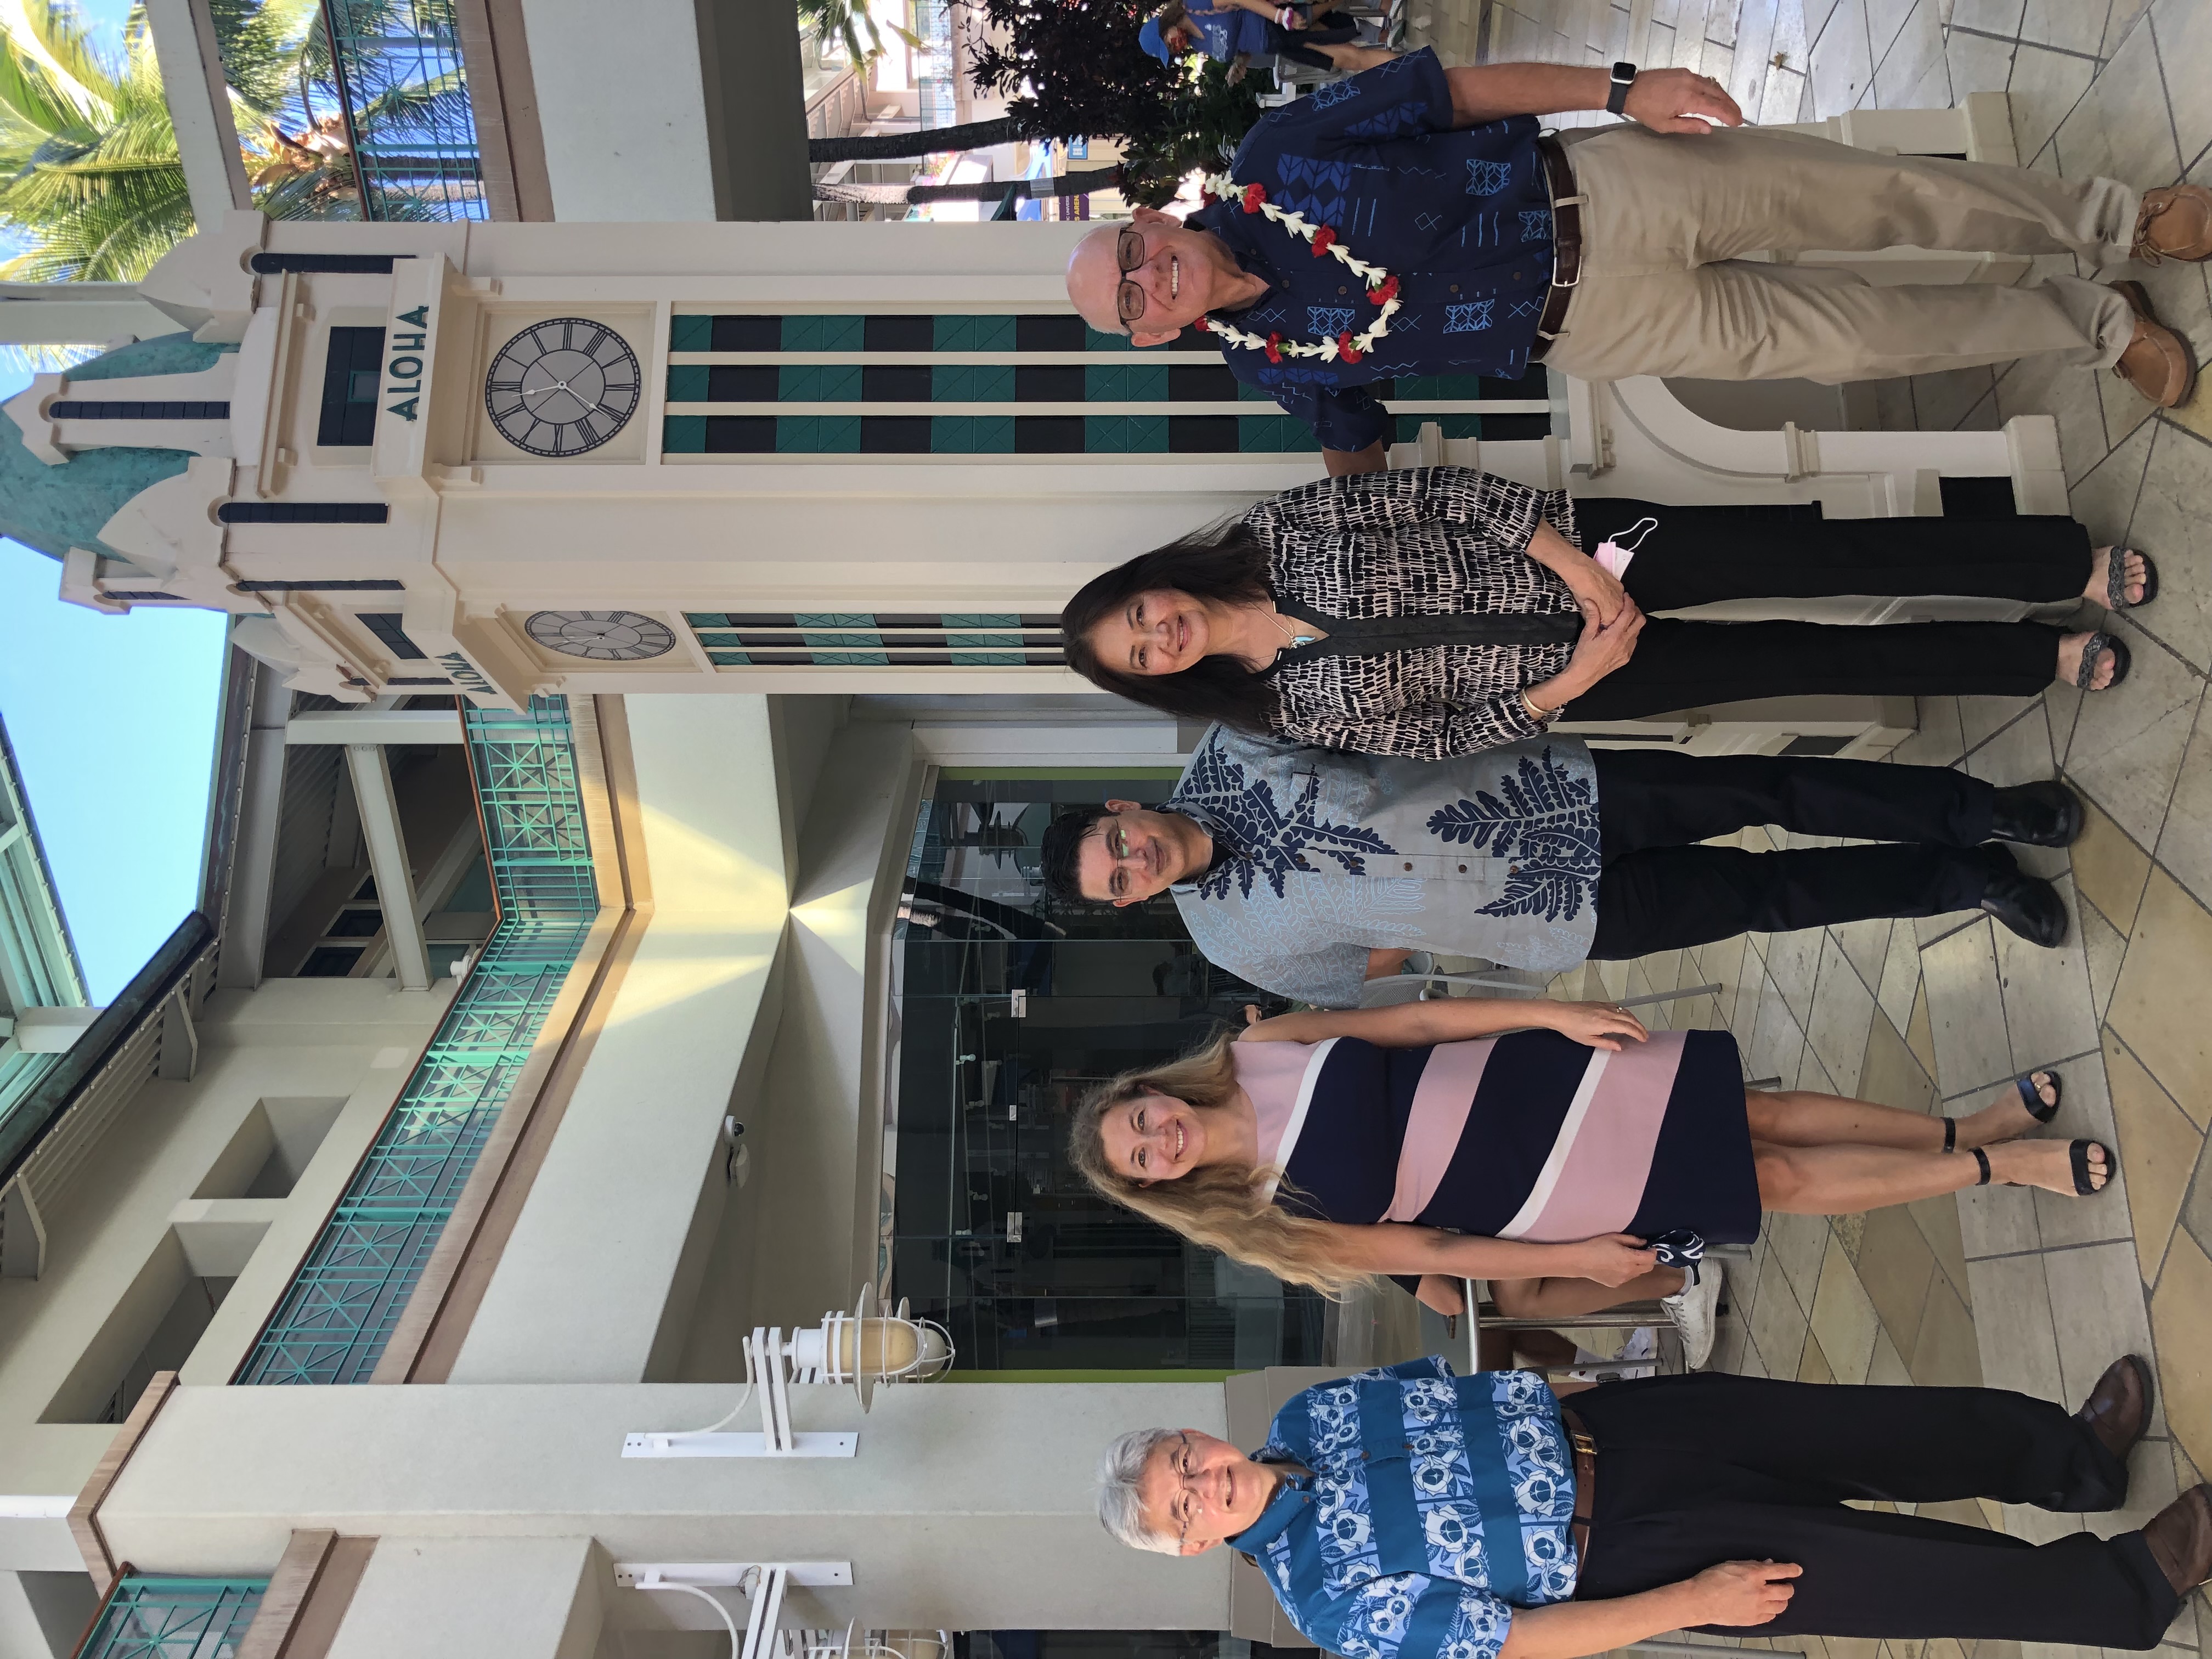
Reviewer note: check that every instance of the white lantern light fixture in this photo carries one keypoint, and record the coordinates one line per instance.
(863, 1348)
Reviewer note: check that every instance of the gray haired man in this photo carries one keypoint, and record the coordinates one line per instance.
(1407, 1513)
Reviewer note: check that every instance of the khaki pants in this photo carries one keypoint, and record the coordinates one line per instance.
(1666, 289)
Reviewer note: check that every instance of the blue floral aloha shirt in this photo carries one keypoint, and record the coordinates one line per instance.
(1436, 1505)
(1462, 217)
(1320, 856)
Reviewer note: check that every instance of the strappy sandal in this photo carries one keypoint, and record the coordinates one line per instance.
(2077, 1157)
(2116, 579)
(2095, 648)
(2037, 1109)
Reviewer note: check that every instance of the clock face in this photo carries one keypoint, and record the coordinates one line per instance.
(563, 386)
(601, 635)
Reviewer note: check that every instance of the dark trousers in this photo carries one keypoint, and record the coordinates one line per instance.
(1698, 554)
(1708, 1468)
(1323, 29)
(1661, 891)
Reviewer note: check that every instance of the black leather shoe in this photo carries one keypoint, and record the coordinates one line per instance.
(2027, 904)
(2180, 1540)
(2117, 1409)
(2044, 813)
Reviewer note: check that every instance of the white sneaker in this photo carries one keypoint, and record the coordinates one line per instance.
(1694, 1310)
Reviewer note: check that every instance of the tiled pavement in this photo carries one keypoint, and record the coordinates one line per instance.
(2013, 1288)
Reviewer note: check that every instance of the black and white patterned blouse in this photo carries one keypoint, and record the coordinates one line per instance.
(1427, 541)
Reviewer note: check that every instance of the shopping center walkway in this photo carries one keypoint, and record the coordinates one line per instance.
(2022, 1289)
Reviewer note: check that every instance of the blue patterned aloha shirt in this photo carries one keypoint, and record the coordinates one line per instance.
(1321, 856)
(1436, 1505)
(1462, 216)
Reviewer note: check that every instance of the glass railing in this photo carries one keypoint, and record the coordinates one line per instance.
(152, 1617)
(332, 1324)
(398, 68)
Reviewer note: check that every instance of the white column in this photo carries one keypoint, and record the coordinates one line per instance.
(375, 725)
(259, 808)
(199, 107)
(387, 861)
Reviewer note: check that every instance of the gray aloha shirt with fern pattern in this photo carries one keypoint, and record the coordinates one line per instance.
(1321, 856)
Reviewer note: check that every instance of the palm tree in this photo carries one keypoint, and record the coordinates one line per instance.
(89, 172)
(853, 22)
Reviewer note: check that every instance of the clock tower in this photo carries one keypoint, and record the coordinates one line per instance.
(515, 458)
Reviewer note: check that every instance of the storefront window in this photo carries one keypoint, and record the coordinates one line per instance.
(1009, 1008)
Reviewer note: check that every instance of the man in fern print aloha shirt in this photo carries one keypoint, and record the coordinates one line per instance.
(1306, 870)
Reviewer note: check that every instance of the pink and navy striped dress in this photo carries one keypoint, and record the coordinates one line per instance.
(1530, 1135)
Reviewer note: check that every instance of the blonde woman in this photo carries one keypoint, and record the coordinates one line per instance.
(1435, 1140)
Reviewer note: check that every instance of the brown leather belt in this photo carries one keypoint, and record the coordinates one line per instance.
(1585, 1450)
(1566, 244)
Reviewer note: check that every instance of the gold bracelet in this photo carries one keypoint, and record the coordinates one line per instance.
(1538, 715)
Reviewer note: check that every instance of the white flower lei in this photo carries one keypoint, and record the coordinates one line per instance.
(1381, 287)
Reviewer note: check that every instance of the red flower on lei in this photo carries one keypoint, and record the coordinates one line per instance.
(1203, 324)
(1254, 195)
(1322, 240)
(1274, 348)
(1345, 349)
(1385, 291)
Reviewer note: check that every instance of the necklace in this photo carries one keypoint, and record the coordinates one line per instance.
(1381, 285)
(1291, 638)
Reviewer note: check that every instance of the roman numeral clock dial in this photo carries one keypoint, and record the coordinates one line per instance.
(563, 386)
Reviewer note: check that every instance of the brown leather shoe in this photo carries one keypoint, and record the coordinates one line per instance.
(2174, 223)
(2180, 1540)
(2157, 362)
(2117, 1409)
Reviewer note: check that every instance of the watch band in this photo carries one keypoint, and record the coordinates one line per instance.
(1616, 98)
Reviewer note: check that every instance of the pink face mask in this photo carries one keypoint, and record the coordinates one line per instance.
(1613, 555)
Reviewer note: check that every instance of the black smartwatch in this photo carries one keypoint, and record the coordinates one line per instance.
(1616, 100)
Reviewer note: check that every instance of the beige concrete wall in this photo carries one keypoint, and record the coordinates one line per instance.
(969, 1506)
(823, 1102)
(652, 163)
(621, 1211)
(114, 1263)
(469, 1598)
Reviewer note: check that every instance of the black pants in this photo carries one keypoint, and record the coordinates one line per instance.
(1708, 1468)
(1323, 29)
(1660, 892)
(1698, 554)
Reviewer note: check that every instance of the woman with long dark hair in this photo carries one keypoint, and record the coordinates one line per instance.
(1441, 610)
(1549, 1147)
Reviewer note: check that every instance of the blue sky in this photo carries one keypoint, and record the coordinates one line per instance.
(113, 719)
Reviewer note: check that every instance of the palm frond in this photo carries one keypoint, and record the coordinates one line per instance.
(58, 34)
(36, 96)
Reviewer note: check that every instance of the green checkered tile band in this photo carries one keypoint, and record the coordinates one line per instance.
(845, 640)
(992, 435)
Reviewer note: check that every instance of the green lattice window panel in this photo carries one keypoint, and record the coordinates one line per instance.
(154, 1618)
(333, 1323)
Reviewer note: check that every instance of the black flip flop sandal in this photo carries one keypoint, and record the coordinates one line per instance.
(2116, 584)
(2097, 645)
(2034, 1101)
(2078, 1154)
(2028, 1097)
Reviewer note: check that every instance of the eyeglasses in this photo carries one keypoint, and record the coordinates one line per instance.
(1115, 839)
(1129, 254)
(1181, 1507)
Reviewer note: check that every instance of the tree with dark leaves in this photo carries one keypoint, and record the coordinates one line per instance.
(1072, 69)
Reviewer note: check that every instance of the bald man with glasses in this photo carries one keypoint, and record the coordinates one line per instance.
(1627, 252)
